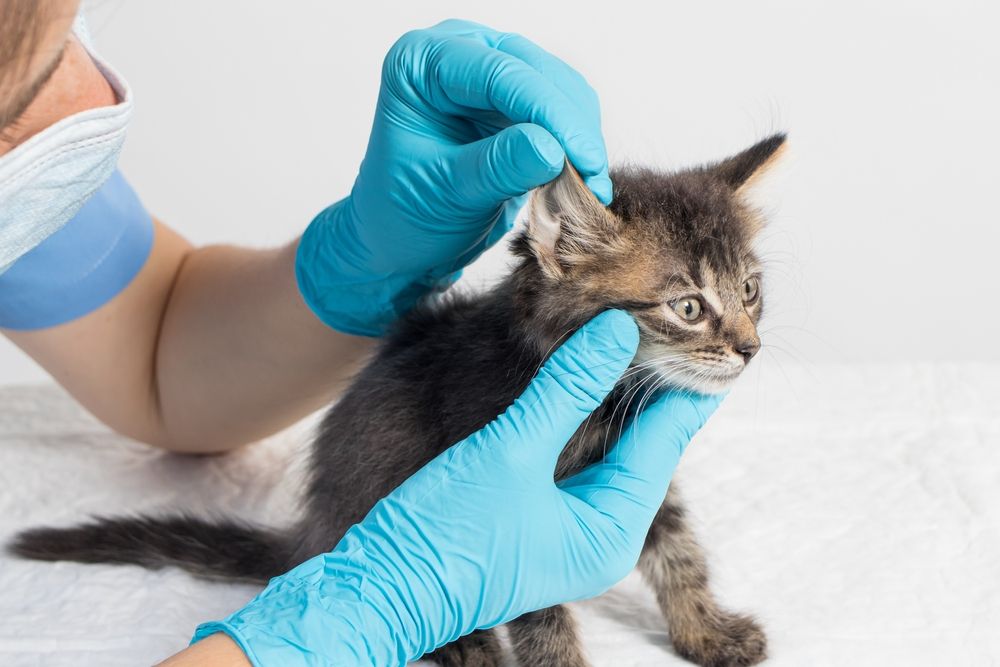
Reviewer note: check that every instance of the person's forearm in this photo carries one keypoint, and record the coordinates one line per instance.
(205, 350)
(215, 651)
(240, 354)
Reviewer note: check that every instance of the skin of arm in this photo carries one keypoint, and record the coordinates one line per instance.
(215, 651)
(208, 348)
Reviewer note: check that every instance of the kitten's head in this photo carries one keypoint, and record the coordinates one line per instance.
(675, 250)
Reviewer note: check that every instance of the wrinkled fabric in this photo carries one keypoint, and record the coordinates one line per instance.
(853, 508)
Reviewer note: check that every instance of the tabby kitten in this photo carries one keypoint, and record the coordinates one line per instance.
(673, 249)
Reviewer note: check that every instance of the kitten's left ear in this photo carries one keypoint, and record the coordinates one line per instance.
(566, 223)
(742, 169)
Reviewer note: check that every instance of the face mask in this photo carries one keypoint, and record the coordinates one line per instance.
(45, 180)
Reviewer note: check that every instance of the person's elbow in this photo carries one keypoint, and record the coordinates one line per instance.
(175, 436)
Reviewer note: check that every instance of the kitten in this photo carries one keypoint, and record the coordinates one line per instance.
(672, 249)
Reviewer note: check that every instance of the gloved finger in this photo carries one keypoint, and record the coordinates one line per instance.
(575, 87)
(504, 223)
(629, 484)
(558, 72)
(600, 185)
(508, 164)
(569, 386)
(567, 79)
(511, 209)
(469, 73)
(488, 123)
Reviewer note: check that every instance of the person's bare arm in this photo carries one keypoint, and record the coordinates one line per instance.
(207, 349)
(215, 651)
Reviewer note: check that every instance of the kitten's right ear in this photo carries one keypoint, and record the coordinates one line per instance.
(740, 170)
(566, 222)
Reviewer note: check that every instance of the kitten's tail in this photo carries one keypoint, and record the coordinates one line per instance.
(225, 548)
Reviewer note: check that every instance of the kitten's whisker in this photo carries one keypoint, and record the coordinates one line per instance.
(772, 330)
(625, 413)
(626, 401)
(645, 365)
(781, 368)
(650, 392)
(545, 357)
(661, 381)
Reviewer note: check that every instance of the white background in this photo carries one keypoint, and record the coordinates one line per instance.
(252, 116)
(854, 509)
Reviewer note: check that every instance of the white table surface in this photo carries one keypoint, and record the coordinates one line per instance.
(855, 509)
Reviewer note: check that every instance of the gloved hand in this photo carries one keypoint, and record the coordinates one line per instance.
(482, 534)
(468, 120)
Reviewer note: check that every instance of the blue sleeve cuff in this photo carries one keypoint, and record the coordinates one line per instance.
(83, 265)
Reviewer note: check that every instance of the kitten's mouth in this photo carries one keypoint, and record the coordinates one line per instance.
(698, 372)
(698, 378)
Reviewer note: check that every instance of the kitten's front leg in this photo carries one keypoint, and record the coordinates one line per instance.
(674, 565)
(546, 638)
(478, 649)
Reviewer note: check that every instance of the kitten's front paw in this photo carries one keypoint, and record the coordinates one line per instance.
(724, 640)
(479, 649)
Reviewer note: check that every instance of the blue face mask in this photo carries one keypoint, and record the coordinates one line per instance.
(46, 180)
(73, 234)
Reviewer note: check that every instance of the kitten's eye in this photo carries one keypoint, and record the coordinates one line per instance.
(688, 309)
(751, 289)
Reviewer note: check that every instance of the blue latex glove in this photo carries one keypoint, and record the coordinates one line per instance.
(468, 120)
(482, 534)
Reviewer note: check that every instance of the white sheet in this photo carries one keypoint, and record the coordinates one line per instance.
(856, 510)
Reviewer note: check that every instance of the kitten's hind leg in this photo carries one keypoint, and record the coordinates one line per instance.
(478, 649)
(700, 630)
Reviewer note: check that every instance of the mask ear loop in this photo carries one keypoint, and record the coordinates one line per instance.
(123, 91)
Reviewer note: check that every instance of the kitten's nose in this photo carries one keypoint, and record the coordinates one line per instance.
(748, 348)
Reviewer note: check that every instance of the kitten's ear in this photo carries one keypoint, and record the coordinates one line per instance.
(742, 169)
(566, 222)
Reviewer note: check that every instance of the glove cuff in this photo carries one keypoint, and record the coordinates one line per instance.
(346, 295)
(323, 618)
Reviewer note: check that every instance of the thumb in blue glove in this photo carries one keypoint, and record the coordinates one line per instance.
(482, 534)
